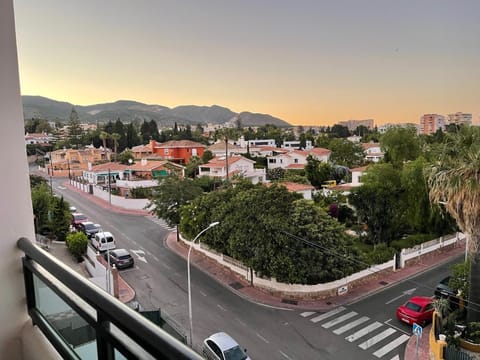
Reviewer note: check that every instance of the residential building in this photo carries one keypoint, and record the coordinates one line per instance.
(258, 143)
(234, 165)
(297, 159)
(296, 145)
(141, 151)
(305, 190)
(431, 123)
(220, 148)
(38, 138)
(178, 151)
(373, 152)
(72, 162)
(353, 124)
(99, 174)
(459, 118)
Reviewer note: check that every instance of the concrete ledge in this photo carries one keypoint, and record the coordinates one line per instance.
(35, 346)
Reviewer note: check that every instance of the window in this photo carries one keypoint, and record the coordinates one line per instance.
(165, 151)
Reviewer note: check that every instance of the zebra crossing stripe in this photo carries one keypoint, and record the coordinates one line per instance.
(396, 357)
(363, 332)
(307, 313)
(339, 320)
(327, 315)
(377, 338)
(351, 325)
(391, 345)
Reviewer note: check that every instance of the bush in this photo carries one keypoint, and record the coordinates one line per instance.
(77, 243)
(411, 240)
(140, 193)
(378, 255)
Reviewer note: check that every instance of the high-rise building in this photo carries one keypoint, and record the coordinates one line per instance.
(459, 118)
(430, 123)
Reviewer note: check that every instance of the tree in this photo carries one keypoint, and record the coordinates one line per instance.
(125, 156)
(346, 153)
(115, 137)
(74, 128)
(207, 156)
(60, 220)
(317, 172)
(339, 131)
(400, 144)
(77, 243)
(453, 182)
(104, 136)
(171, 193)
(191, 169)
(132, 138)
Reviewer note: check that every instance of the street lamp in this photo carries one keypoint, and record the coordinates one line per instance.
(188, 278)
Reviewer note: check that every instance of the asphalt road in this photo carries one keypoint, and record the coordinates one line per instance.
(160, 281)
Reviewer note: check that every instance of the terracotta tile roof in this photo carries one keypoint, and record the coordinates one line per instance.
(142, 148)
(300, 152)
(113, 166)
(320, 151)
(296, 166)
(220, 161)
(367, 146)
(179, 144)
(221, 146)
(148, 166)
(293, 187)
(359, 169)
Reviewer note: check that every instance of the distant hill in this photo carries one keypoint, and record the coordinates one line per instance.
(128, 111)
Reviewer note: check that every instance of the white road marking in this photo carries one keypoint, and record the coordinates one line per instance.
(141, 258)
(202, 293)
(377, 338)
(327, 315)
(241, 322)
(338, 320)
(221, 307)
(363, 332)
(397, 328)
(263, 339)
(390, 346)
(396, 357)
(285, 355)
(155, 258)
(307, 313)
(351, 325)
(406, 292)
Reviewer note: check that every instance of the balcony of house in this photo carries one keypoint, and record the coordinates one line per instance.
(76, 319)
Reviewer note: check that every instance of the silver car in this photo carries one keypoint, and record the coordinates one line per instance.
(221, 346)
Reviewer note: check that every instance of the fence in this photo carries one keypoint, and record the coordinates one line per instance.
(451, 353)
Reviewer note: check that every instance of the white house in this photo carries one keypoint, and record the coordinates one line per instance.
(38, 138)
(219, 149)
(373, 152)
(304, 189)
(237, 165)
(297, 159)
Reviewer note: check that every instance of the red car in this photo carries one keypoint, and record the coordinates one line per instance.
(78, 218)
(418, 309)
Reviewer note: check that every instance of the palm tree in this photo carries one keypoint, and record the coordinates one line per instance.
(104, 136)
(115, 137)
(454, 181)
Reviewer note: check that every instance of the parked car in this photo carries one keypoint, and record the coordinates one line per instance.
(442, 290)
(221, 346)
(121, 258)
(72, 209)
(103, 241)
(89, 228)
(77, 219)
(419, 310)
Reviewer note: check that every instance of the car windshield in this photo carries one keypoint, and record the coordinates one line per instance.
(412, 306)
(445, 281)
(124, 257)
(235, 353)
(80, 217)
(89, 226)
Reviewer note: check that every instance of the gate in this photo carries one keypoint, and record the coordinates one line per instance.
(451, 353)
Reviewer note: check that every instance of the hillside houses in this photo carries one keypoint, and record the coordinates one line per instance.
(297, 159)
(226, 167)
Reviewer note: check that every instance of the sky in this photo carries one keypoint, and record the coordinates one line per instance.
(308, 62)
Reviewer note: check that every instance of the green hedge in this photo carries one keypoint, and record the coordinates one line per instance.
(77, 243)
(411, 240)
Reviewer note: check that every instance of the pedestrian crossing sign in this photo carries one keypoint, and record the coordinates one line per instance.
(417, 330)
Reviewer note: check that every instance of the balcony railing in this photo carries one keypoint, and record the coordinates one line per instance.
(82, 321)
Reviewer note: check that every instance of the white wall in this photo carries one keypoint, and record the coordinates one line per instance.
(16, 218)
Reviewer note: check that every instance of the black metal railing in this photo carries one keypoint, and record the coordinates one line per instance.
(83, 321)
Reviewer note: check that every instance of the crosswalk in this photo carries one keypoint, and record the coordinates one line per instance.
(373, 336)
(161, 222)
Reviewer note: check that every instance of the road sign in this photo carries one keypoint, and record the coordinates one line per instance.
(417, 330)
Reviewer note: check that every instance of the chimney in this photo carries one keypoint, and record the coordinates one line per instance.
(144, 162)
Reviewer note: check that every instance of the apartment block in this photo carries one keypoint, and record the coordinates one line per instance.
(430, 123)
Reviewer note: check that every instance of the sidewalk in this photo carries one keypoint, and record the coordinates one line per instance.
(241, 287)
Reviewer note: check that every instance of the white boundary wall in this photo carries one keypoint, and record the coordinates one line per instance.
(338, 286)
(98, 271)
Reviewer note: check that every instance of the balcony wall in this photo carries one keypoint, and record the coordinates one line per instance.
(16, 218)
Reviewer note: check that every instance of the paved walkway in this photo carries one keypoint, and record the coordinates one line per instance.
(241, 287)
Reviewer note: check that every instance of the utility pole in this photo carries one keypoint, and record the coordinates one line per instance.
(109, 189)
(226, 156)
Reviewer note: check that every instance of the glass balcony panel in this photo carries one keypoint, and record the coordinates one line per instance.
(68, 323)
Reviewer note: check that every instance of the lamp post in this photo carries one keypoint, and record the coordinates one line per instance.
(188, 278)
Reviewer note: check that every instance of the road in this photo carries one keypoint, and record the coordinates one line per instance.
(159, 279)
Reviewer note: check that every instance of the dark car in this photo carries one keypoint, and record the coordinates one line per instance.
(443, 290)
(121, 258)
(77, 219)
(89, 228)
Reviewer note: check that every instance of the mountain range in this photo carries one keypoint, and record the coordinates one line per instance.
(128, 111)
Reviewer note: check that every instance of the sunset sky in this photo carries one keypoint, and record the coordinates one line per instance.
(309, 62)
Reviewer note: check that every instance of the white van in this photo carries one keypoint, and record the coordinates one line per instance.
(103, 241)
